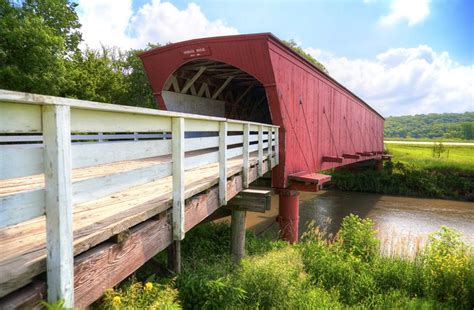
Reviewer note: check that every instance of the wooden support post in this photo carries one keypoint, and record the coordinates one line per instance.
(178, 177)
(277, 146)
(270, 146)
(260, 150)
(222, 163)
(174, 256)
(238, 235)
(58, 201)
(246, 155)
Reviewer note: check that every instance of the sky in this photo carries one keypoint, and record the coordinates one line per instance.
(400, 56)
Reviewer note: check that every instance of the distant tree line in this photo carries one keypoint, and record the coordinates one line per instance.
(431, 126)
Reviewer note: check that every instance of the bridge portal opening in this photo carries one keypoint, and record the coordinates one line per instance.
(213, 88)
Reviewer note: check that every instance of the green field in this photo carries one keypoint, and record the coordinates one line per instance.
(454, 158)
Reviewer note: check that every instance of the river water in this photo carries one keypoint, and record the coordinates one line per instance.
(403, 223)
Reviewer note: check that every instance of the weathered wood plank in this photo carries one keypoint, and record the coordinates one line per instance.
(235, 126)
(222, 163)
(91, 154)
(246, 156)
(107, 264)
(83, 120)
(277, 146)
(206, 158)
(58, 200)
(15, 117)
(19, 162)
(234, 139)
(95, 188)
(201, 125)
(178, 178)
(270, 147)
(21, 207)
(193, 144)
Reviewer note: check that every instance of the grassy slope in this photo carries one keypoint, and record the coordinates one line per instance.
(455, 158)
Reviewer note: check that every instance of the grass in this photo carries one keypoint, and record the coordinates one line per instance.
(454, 158)
(346, 272)
(430, 140)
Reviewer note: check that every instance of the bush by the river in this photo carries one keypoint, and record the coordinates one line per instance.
(404, 179)
(344, 272)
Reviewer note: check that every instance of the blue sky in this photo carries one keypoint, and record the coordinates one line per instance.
(349, 27)
(401, 56)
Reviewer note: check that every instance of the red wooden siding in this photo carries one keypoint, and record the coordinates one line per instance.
(317, 115)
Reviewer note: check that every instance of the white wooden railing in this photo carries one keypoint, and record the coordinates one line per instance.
(51, 136)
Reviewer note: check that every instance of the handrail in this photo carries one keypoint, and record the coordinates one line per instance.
(56, 118)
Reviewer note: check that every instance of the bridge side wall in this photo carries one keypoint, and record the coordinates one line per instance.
(320, 117)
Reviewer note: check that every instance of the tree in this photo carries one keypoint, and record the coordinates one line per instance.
(139, 91)
(467, 130)
(35, 38)
(95, 75)
(293, 45)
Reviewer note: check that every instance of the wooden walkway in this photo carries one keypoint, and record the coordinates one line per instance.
(117, 203)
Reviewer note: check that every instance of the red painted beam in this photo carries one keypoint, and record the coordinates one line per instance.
(350, 156)
(365, 154)
(332, 159)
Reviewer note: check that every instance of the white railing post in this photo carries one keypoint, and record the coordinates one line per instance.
(270, 146)
(58, 201)
(222, 163)
(277, 145)
(245, 155)
(177, 127)
(260, 150)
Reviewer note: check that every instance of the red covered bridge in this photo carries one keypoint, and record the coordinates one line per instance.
(90, 191)
(258, 78)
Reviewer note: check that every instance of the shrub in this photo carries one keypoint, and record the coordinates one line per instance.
(447, 268)
(135, 295)
(358, 237)
(275, 279)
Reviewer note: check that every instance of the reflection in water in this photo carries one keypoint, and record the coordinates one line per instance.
(403, 223)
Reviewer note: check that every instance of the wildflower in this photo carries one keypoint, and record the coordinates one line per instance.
(148, 286)
(116, 300)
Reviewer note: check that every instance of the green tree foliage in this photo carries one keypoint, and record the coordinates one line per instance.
(292, 44)
(467, 130)
(36, 36)
(431, 126)
(39, 53)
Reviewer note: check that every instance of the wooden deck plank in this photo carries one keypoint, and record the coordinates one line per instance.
(23, 244)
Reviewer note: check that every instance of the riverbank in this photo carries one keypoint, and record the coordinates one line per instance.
(346, 272)
(415, 170)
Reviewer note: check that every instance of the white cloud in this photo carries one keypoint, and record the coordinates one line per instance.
(413, 11)
(114, 23)
(405, 80)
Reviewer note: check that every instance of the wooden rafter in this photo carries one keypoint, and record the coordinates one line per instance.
(190, 82)
(222, 87)
(172, 81)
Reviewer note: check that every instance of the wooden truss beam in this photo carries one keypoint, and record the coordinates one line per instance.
(190, 82)
(222, 87)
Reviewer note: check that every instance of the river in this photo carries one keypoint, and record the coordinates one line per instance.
(403, 223)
